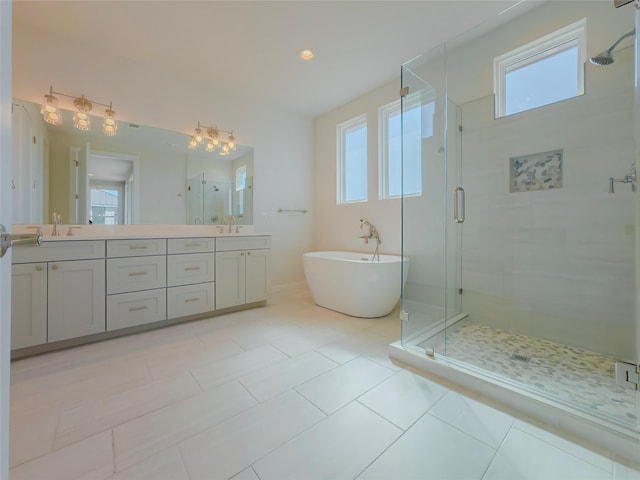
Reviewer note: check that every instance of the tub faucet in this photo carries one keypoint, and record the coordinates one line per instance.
(373, 233)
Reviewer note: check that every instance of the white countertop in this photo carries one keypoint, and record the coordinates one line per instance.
(115, 232)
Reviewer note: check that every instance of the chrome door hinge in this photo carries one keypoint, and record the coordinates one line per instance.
(459, 291)
(404, 316)
(404, 91)
(459, 128)
(628, 375)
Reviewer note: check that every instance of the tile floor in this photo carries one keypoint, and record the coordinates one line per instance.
(573, 375)
(288, 391)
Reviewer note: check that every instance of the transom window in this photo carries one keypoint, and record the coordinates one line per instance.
(352, 160)
(542, 72)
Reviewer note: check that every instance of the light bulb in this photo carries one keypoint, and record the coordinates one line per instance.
(50, 111)
(232, 144)
(210, 146)
(110, 126)
(197, 134)
(193, 143)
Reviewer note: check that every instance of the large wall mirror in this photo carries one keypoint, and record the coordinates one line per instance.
(142, 175)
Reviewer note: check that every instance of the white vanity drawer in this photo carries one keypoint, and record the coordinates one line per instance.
(132, 274)
(190, 245)
(137, 308)
(225, 244)
(55, 251)
(190, 268)
(190, 300)
(136, 247)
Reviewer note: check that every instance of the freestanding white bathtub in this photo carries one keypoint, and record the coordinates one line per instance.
(352, 283)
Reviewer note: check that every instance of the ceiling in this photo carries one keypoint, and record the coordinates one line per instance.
(249, 48)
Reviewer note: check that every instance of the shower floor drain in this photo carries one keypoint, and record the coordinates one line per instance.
(520, 358)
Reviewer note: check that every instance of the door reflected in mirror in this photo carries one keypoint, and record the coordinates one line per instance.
(143, 175)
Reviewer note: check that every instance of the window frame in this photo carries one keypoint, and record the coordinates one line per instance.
(341, 130)
(556, 42)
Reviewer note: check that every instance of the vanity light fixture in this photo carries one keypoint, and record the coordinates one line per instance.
(210, 136)
(81, 119)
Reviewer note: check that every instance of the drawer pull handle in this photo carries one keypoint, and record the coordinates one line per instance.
(188, 269)
(39, 268)
(191, 245)
(136, 274)
(192, 300)
(54, 267)
(138, 247)
(137, 309)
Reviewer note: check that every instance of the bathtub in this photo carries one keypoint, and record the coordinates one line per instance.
(351, 283)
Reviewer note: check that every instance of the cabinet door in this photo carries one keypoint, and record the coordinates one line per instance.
(257, 274)
(28, 305)
(76, 299)
(230, 279)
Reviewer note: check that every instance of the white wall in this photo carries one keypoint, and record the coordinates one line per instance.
(337, 227)
(283, 140)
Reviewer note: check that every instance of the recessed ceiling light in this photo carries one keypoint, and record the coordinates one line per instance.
(305, 54)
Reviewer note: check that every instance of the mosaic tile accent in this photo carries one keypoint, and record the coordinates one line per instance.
(537, 171)
(573, 375)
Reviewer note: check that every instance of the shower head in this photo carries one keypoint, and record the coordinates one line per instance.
(606, 57)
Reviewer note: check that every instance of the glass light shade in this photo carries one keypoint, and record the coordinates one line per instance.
(81, 121)
(81, 118)
(197, 134)
(232, 144)
(50, 111)
(110, 126)
(193, 143)
(110, 130)
(210, 146)
(225, 149)
(53, 118)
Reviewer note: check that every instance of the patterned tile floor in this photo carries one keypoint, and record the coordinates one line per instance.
(572, 375)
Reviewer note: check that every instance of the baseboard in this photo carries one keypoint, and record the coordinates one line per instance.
(283, 287)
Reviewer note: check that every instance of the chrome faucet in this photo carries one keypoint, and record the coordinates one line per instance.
(631, 178)
(55, 219)
(231, 220)
(373, 233)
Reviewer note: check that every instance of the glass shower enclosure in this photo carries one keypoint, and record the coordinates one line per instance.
(523, 243)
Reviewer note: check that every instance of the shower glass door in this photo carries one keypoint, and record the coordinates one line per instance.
(424, 147)
(546, 287)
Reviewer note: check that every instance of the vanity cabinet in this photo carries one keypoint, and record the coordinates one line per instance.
(76, 300)
(190, 276)
(242, 270)
(57, 292)
(68, 289)
(136, 282)
(28, 305)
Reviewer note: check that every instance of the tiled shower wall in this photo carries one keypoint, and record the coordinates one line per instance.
(555, 264)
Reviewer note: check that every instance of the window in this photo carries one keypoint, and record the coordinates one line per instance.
(418, 124)
(106, 203)
(352, 160)
(542, 72)
(241, 185)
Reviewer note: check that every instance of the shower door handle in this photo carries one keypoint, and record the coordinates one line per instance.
(458, 205)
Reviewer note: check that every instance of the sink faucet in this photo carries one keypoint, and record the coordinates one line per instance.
(55, 219)
(231, 220)
(373, 233)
